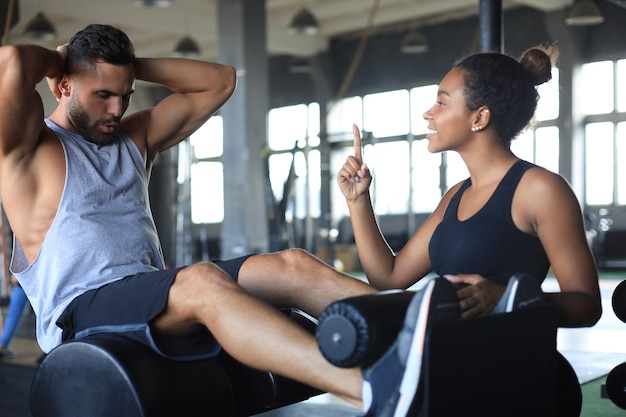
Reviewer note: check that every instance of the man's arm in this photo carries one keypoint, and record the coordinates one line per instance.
(21, 109)
(32, 165)
(200, 89)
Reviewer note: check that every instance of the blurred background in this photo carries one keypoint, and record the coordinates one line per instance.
(260, 175)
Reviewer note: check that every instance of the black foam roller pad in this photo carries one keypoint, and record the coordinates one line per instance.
(355, 331)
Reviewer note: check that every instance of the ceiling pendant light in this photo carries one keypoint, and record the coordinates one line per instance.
(300, 65)
(304, 22)
(153, 3)
(40, 28)
(584, 13)
(187, 48)
(414, 42)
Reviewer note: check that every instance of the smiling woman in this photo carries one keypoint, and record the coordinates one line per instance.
(508, 217)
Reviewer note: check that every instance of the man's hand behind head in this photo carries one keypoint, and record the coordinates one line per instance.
(53, 82)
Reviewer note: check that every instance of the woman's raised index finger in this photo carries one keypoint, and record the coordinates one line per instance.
(358, 153)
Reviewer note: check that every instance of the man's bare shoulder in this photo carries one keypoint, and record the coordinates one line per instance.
(136, 126)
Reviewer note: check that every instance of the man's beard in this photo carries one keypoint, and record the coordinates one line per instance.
(90, 131)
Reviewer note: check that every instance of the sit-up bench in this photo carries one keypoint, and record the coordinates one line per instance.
(502, 365)
(113, 376)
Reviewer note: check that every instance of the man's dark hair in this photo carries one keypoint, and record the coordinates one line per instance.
(98, 43)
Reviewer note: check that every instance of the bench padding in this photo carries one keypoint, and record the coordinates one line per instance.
(111, 375)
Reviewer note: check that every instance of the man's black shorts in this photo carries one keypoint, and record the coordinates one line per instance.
(127, 306)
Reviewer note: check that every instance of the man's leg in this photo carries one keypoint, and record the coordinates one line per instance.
(295, 278)
(251, 330)
(258, 335)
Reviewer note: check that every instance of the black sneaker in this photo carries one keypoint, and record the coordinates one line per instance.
(522, 291)
(395, 377)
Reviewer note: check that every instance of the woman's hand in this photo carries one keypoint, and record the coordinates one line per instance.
(354, 178)
(477, 295)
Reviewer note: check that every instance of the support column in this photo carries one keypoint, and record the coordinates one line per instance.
(324, 94)
(242, 44)
(490, 23)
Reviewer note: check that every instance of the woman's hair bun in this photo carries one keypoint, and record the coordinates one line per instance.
(538, 61)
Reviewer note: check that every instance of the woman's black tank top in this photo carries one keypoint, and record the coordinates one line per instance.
(488, 243)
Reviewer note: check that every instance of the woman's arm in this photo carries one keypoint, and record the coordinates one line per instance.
(549, 207)
(383, 268)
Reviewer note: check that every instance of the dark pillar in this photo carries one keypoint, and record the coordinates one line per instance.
(8, 9)
(490, 23)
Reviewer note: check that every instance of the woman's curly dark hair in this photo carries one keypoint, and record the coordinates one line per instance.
(98, 43)
(506, 86)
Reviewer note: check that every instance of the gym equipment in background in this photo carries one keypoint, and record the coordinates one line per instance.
(615, 385)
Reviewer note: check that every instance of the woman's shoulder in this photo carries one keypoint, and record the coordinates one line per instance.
(542, 179)
(541, 189)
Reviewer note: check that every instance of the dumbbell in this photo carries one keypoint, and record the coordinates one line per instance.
(619, 301)
(616, 385)
(616, 379)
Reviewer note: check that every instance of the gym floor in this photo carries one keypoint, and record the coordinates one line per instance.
(593, 353)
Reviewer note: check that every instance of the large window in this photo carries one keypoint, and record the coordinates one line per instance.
(599, 154)
(597, 87)
(395, 131)
(395, 144)
(425, 166)
(295, 163)
(540, 142)
(620, 155)
(386, 114)
(425, 178)
(539, 145)
(342, 114)
(604, 105)
(206, 173)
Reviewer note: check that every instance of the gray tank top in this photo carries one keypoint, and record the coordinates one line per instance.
(103, 230)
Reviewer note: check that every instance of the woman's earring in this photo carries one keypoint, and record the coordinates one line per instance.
(476, 128)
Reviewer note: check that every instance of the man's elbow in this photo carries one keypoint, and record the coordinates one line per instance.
(229, 81)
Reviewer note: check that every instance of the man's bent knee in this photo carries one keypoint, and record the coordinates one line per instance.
(295, 258)
(195, 287)
(201, 276)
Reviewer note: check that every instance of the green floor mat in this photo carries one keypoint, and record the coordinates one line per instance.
(593, 403)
